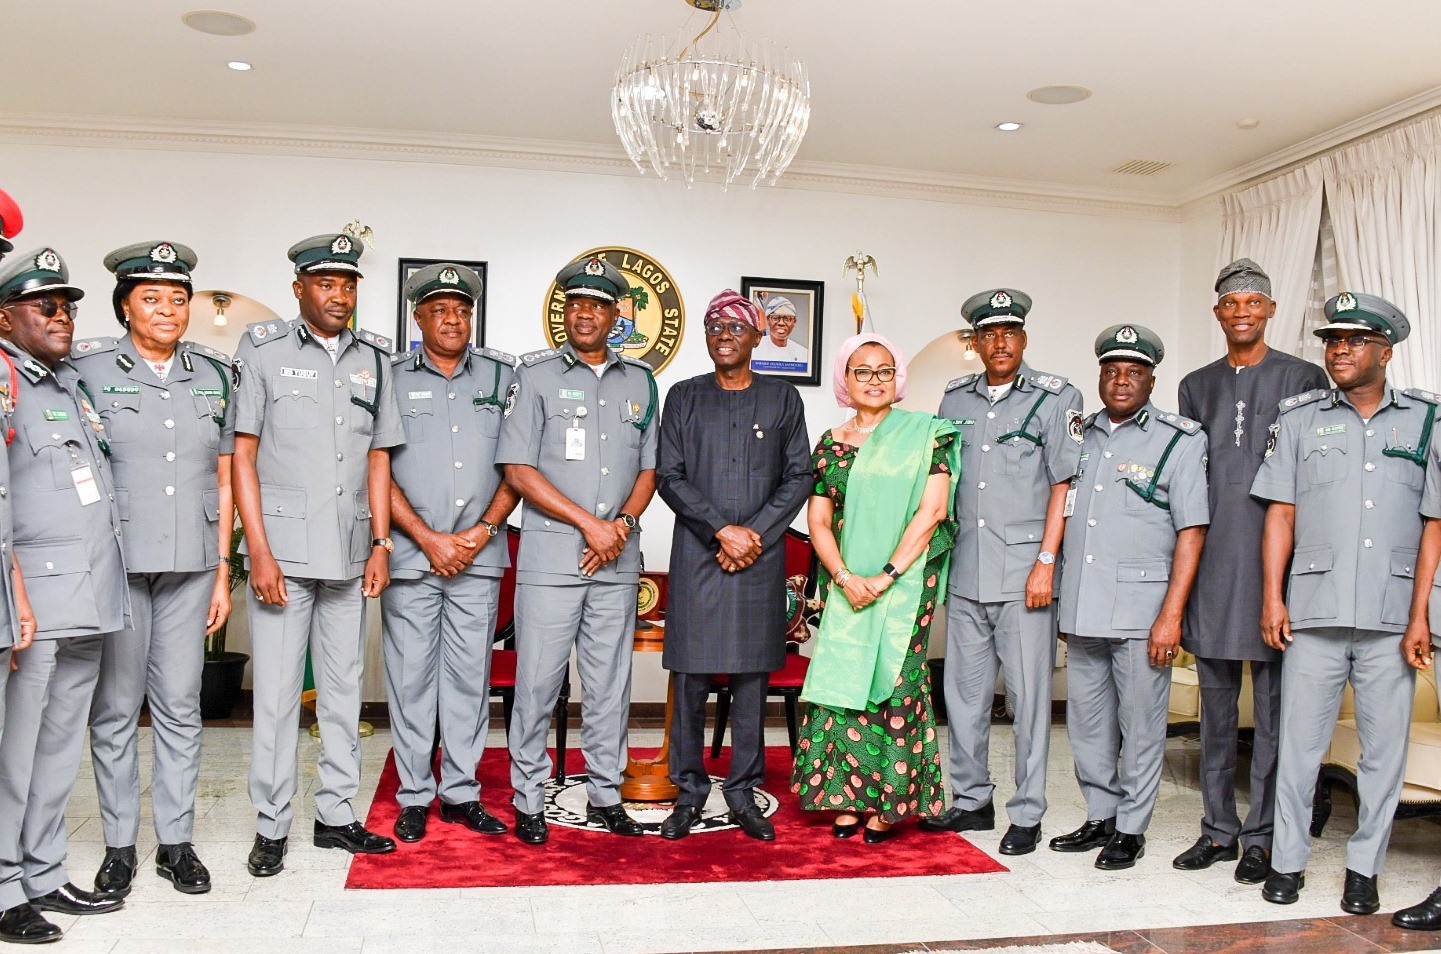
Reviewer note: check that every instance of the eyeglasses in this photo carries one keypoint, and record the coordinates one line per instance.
(48, 307)
(736, 328)
(1351, 342)
(866, 375)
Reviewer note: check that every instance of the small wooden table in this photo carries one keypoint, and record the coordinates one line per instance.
(648, 780)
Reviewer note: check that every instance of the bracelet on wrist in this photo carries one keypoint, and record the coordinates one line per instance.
(843, 577)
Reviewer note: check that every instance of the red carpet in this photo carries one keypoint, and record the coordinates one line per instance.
(451, 856)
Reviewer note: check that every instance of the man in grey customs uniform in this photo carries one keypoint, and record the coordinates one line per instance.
(1344, 480)
(1136, 523)
(165, 406)
(315, 416)
(579, 446)
(1236, 399)
(67, 542)
(449, 504)
(735, 466)
(1020, 442)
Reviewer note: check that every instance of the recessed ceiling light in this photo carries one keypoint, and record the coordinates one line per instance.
(1058, 95)
(1247, 123)
(240, 66)
(1008, 127)
(218, 23)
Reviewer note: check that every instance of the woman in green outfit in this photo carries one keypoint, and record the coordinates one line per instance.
(868, 743)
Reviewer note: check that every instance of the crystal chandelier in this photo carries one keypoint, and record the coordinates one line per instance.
(714, 107)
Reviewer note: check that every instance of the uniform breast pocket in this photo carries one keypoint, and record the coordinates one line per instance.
(283, 509)
(1323, 459)
(296, 403)
(121, 413)
(417, 414)
(487, 418)
(1404, 471)
(1018, 456)
(559, 414)
(1312, 593)
(57, 578)
(1140, 591)
(1396, 603)
(362, 410)
(54, 457)
(209, 411)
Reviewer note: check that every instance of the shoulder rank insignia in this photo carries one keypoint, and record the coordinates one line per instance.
(1049, 382)
(964, 380)
(401, 356)
(534, 357)
(636, 363)
(92, 346)
(374, 340)
(263, 331)
(1178, 422)
(124, 362)
(1300, 400)
(494, 355)
(1422, 395)
(208, 352)
(1089, 419)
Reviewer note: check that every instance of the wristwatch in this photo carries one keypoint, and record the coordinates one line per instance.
(1046, 558)
(630, 522)
(386, 542)
(890, 570)
(490, 528)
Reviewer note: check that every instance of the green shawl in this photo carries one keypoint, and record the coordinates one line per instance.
(858, 653)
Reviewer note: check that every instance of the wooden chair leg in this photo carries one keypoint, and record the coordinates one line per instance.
(792, 725)
(722, 714)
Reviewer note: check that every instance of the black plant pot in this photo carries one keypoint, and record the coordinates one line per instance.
(220, 685)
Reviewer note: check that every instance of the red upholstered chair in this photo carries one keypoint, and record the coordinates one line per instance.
(787, 681)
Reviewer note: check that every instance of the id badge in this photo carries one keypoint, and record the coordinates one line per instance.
(1070, 502)
(85, 486)
(575, 443)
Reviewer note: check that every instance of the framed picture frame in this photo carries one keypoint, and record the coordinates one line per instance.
(792, 311)
(407, 334)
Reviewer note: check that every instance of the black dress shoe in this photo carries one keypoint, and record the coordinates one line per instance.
(844, 831)
(267, 856)
(1093, 834)
(22, 924)
(116, 872)
(1203, 854)
(531, 829)
(1255, 865)
(1360, 895)
(679, 822)
(753, 823)
(1284, 887)
(179, 865)
(1121, 852)
(354, 838)
(1425, 916)
(68, 899)
(1020, 839)
(874, 836)
(955, 818)
(613, 819)
(410, 826)
(473, 816)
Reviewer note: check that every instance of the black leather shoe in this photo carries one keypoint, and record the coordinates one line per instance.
(116, 872)
(410, 826)
(179, 865)
(1284, 887)
(844, 831)
(1121, 852)
(679, 822)
(1255, 865)
(1093, 834)
(955, 818)
(1020, 839)
(1203, 854)
(1360, 895)
(353, 838)
(753, 823)
(22, 924)
(267, 856)
(473, 816)
(613, 819)
(1425, 916)
(531, 829)
(68, 899)
(874, 836)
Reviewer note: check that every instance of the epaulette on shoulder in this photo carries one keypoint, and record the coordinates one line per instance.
(1183, 424)
(400, 356)
(262, 331)
(92, 346)
(637, 363)
(1300, 400)
(1049, 382)
(536, 357)
(506, 359)
(378, 342)
(1090, 419)
(1421, 394)
(965, 380)
(208, 352)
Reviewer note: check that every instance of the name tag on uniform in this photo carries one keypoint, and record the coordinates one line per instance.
(204, 392)
(570, 394)
(1332, 429)
(85, 486)
(575, 443)
(57, 415)
(419, 395)
(304, 373)
(120, 389)
(964, 421)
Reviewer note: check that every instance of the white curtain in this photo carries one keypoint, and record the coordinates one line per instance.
(1385, 205)
(1276, 223)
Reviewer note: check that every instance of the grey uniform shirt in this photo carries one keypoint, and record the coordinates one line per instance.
(447, 467)
(1358, 523)
(554, 394)
(1012, 452)
(165, 441)
(1119, 545)
(1431, 510)
(68, 549)
(9, 618)
(317, 421)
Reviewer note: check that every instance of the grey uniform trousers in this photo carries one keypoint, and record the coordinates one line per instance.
(1220, 681)
(46, 705)
(1116, 720)
(687, 738)
(160, 657)
(598, 620)
(1316, 666)
(979, 636)
(328, 616)
(438, 635)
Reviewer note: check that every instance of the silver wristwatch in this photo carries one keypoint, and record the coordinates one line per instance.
(1046, 558)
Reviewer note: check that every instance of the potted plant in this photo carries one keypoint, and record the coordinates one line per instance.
(224, 672)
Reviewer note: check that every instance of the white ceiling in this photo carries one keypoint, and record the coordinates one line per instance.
(906, 84)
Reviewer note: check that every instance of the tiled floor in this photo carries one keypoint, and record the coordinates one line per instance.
(307, 909)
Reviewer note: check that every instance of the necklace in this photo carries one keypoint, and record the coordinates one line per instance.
(864, 430)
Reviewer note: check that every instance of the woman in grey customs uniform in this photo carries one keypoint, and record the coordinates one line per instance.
(165, 404)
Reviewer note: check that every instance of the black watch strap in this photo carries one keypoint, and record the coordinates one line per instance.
(890, 570)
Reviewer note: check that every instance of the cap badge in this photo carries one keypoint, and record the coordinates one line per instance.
(342, 245)
(1346, 302)
(163, 253)
(1127, 335)
(48, 261)
(1000, 300)
(449, 276)
(594, 267)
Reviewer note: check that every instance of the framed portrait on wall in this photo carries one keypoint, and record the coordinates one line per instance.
(407, 334)
(791, 313)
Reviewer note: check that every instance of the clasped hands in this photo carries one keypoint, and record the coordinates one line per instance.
(739, 547)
